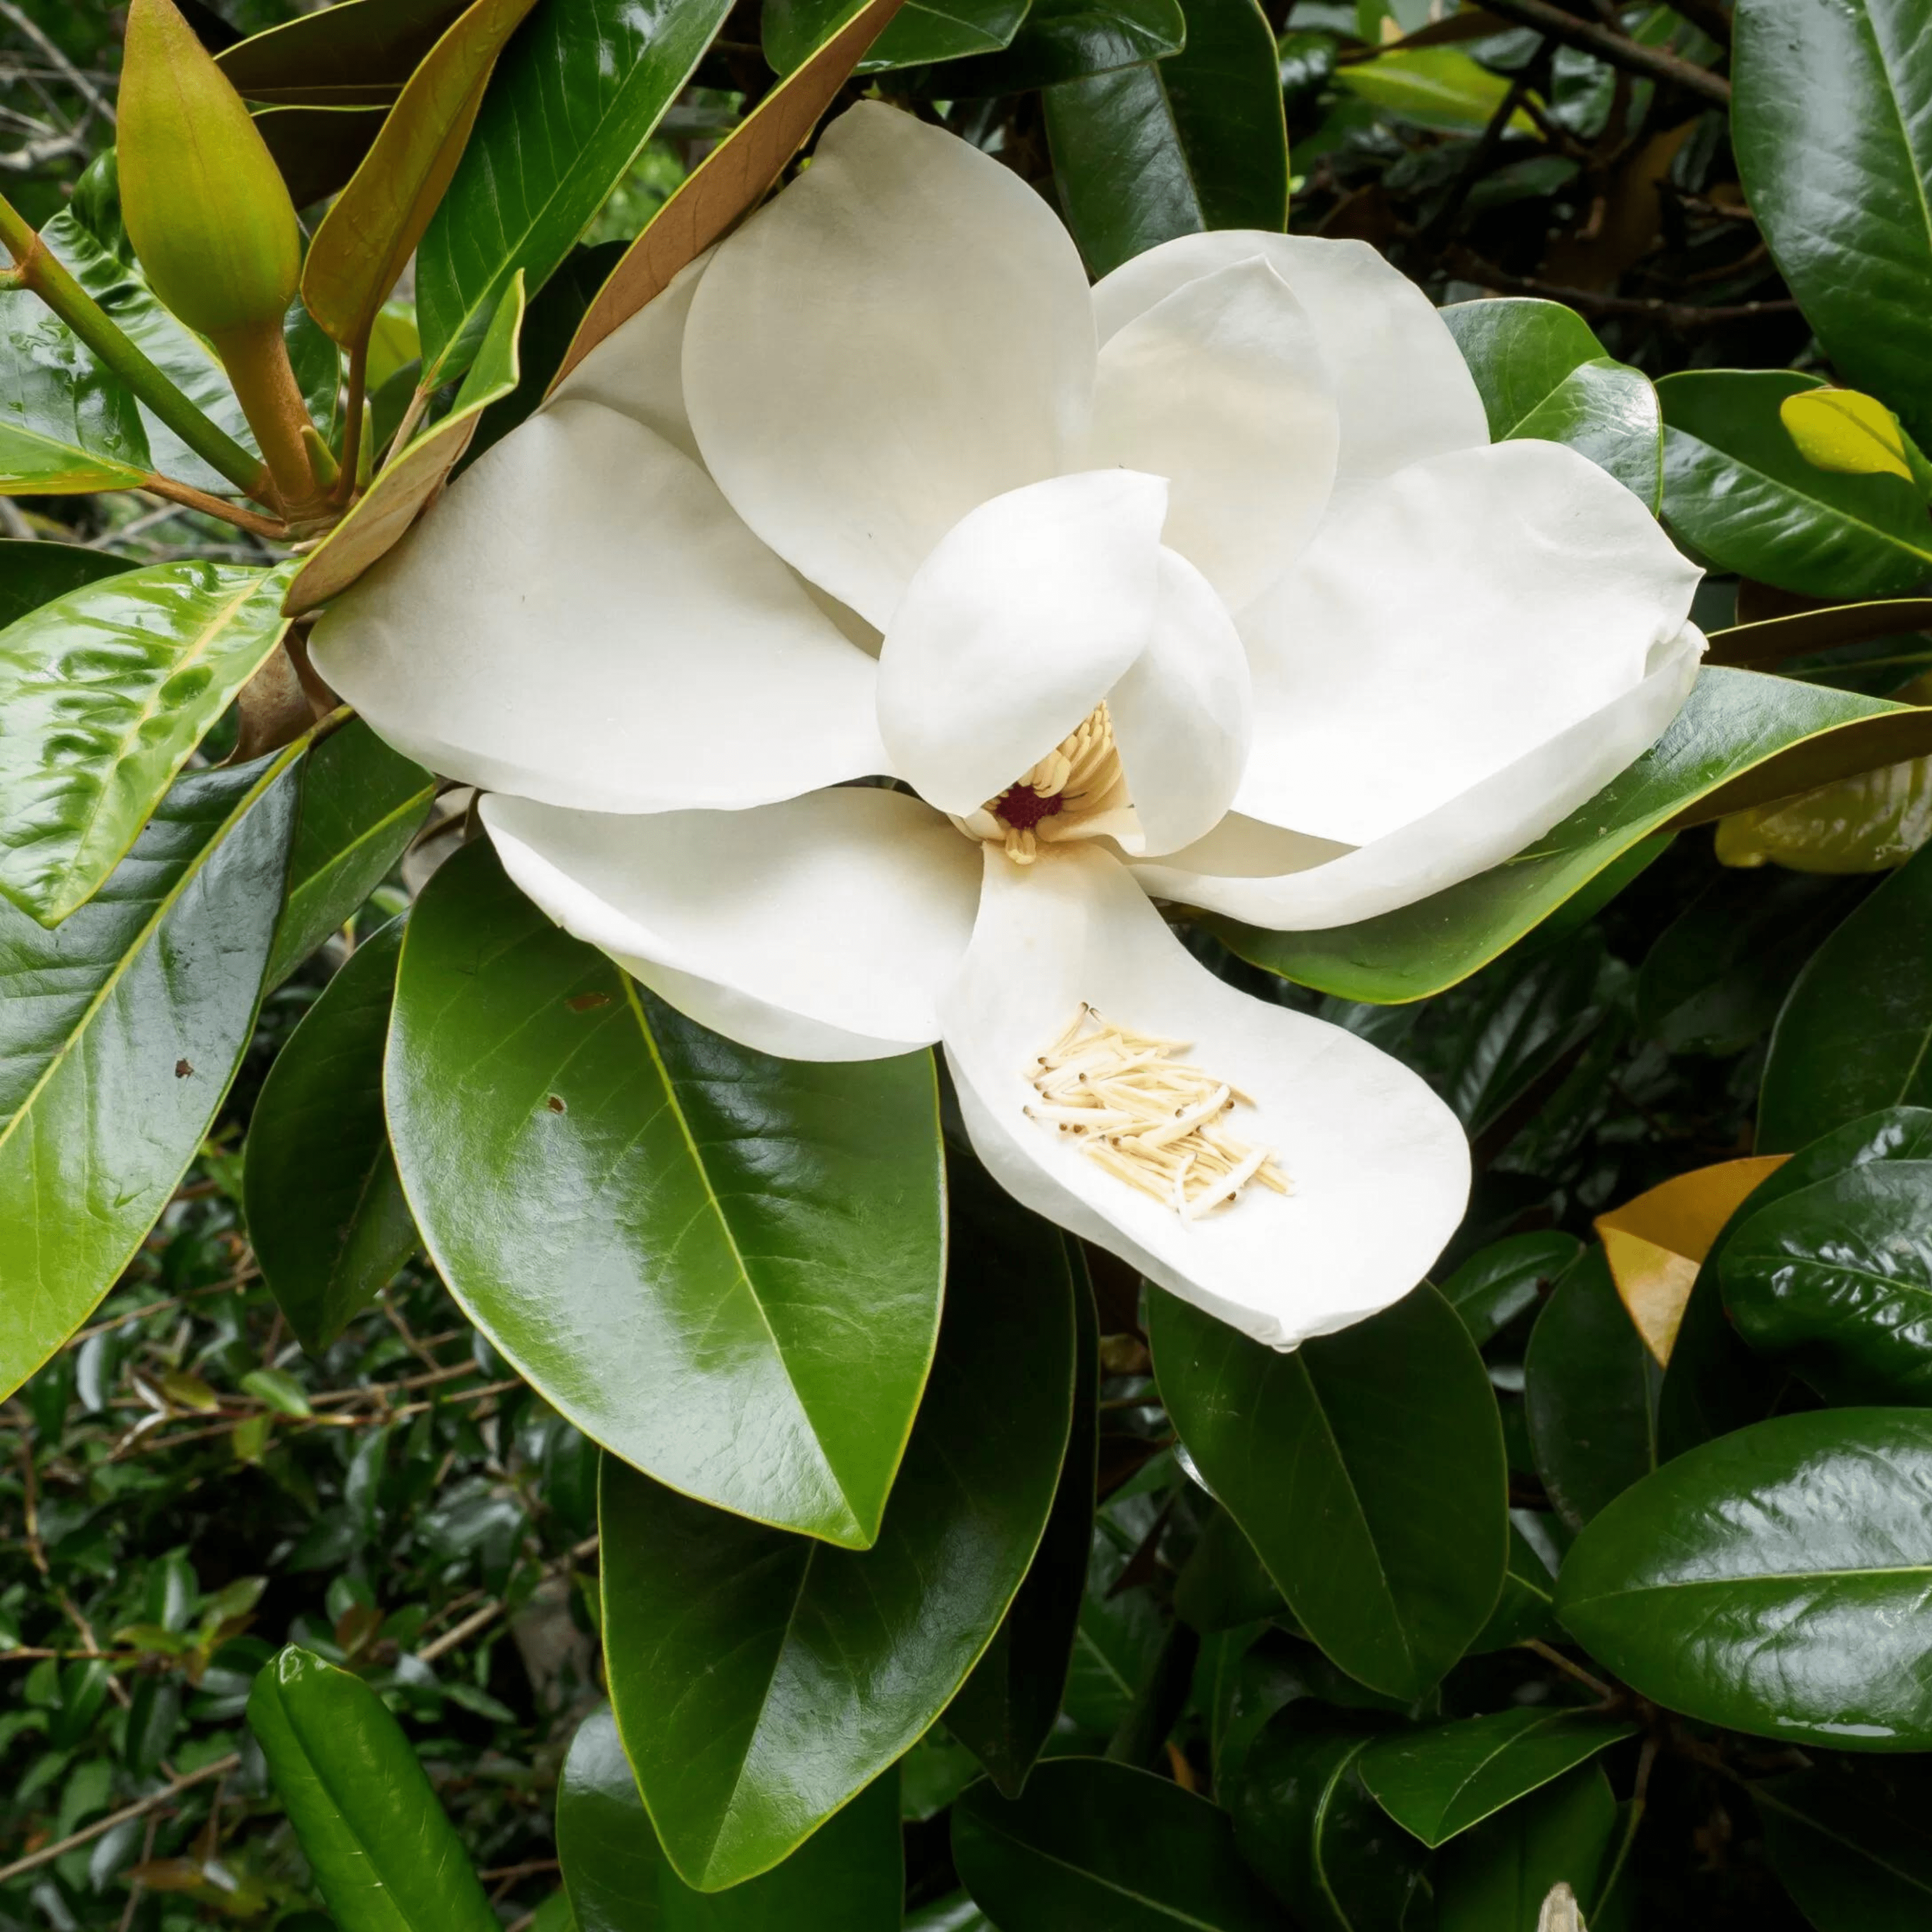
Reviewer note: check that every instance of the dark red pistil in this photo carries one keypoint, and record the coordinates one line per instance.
(1022, 808)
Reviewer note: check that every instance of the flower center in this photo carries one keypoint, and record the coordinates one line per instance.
(1062, 796)
(1149, 1118)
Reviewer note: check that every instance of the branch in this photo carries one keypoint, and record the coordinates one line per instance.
(221, 1768)
(192, 499)
(1683, 317)
(97, 102)
(1619, 50)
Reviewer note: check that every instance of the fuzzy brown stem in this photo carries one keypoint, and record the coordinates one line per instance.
(257, 358)
(190, 498)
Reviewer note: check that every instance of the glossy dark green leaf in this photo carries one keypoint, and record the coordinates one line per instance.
(956, 1913)
(762, 1679)
(848, 1877)
(357, 54)
(361, 804)
(34, 574)
(110, 1078)
(1543, 374)
(923, 31)
(576, 95)
(1496, 1878)
(1094, 1843)
(1305, 1821)
(664, 1232)
(385, 1856)
(1831, 111)
(1118, 1642)
(1070, 40)
(1835, 1282)
(1366, 1467)
(1715, 1383)
(106, 691)
(1506, 1279)
(1172, 147)
(1736, 488)
(372, 228)
(1005, 1711)
(1590, 1390)
(1852, 1844)
(318, 149)
(1527, 1607)
(1735, 742)
(1224, 1583)
(1854, 1033)
(326, 1216)
(67, 425)
(1436, 1782)
(1772, 1581)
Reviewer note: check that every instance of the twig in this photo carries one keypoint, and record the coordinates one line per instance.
(1619, 50)
(1681, 317)
(233, 1282)
(221, 1768)
(481, 1618)
(1443, 222)
(97, 102)
(192, 499)
(1550, 1654)
(135, 1887)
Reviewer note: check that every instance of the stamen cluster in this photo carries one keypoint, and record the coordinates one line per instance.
(1080, 774)
(1148, 1118)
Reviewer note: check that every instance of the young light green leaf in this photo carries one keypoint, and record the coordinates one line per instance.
(384, 1855)
(109, 1084)
(107, 691)
(1434, 87)
(664, 1232)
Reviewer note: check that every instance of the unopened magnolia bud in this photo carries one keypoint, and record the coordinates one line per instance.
(204, 204)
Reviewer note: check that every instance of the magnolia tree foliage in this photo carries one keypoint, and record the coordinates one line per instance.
(930, 998)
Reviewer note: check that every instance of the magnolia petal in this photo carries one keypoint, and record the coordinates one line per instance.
(1443, 624)
(582, 619)
(903, 333)
(1404, 390)
(1379, 1164)
(1015, 627)
(638, 369)
(847, 910)
(1289, 882)
(1220, 388)
(1182, 713)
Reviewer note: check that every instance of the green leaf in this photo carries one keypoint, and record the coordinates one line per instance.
(109, 1079)
(956, 1913)
(1835, 1283)
(923, 31)
(1736, 488)
(1846, 431)
(729, 1643)
(280, 1391)
(848, 1877)
(34, 574)
(1850, 1842)
(384, 1855)
(1174, 146)
(1799, 1551)
(1438, 1782)
(1070, 40)
(1005, 1711)
(1741, 737)
(1305, 1821)
(1526, 1608)
(1543, 374)
(1096, 1843)
(1496, 1878)
(355, 55)
(67, 425)
(1833, 100)
(1854, 1033)
(1435, 87)
(407, 482)
(326, 1216)
(664, 1232)
(1506, 1279)
(361, 804)
(575, 98)
(1224, 1584)
(1590, 1390)
(373, 228)
(1366, 1467)
(318, 149)
(106, 692)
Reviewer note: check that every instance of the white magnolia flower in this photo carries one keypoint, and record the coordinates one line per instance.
(1205, 586)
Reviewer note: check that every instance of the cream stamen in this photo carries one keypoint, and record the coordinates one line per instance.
(1080, 778)
(1149, 1119)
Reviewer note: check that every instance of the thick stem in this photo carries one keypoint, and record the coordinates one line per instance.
(39, 270)
(185, 494)
(257, 358)
(1619, 50)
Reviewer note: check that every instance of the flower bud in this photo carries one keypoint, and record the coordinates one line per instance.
(204, 204)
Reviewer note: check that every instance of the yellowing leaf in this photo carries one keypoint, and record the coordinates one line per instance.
(1656, 1243)
(1843, 430)
(1440, 87)
(188, 1391)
